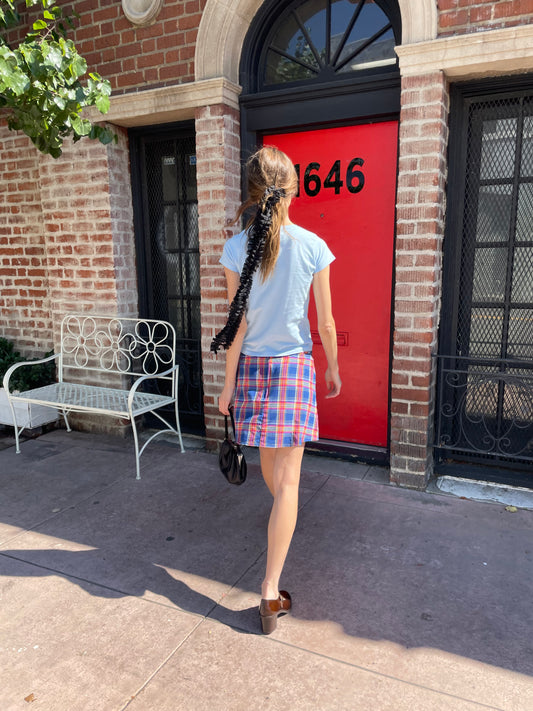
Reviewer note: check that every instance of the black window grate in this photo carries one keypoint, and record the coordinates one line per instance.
(485, 404)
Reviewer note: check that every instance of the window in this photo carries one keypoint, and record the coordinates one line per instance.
(327, 39)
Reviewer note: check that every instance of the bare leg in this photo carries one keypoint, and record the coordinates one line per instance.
(287, 462)
(267, 455)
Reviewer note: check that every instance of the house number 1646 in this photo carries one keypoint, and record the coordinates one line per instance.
(354, 180)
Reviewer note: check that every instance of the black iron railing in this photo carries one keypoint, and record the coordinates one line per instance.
(484, 407)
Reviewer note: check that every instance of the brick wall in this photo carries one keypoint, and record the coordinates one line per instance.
(121, 218)
(66, 237)
(420, 227)
(78, 226)
(463, 16)
(218, 175)
(24, 299)
(133, 57)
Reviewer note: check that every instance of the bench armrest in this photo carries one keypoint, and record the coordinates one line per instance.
(9, 372)
(140, 380)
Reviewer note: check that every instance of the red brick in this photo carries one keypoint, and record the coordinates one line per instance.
(453, 18)
(448, 4)
(150, 60)
(413, 337)
(172, 56)
(522, 7)
(402, 365)
(399, 379)
(103, 42)
(188, 22)
(172, 72)
(421, 80)
(421, 381)
(108, 13)
(148, 45)
(166, 42)
(480, 14)
(419, 409)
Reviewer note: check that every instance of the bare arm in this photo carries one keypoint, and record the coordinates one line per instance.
(327, 330)
(234, 351)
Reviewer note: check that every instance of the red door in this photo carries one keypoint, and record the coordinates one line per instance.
(347, 196)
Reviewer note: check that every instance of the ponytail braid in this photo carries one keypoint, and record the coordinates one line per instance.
(257, 237)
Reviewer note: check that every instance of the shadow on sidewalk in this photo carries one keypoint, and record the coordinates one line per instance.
(144, 578)
(413, 569)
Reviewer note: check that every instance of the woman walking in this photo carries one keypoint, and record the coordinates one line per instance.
(270, 376)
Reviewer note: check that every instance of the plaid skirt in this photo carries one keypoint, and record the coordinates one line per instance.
(275, 401)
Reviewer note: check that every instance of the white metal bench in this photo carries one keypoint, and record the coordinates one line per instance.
(141, 351)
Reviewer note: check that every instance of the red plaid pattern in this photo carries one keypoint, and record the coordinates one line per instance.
(275, 401)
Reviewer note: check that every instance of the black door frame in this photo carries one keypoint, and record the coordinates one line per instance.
(340, 103)
(462, 96)
(160, 132)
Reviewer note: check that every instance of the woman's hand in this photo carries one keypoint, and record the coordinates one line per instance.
(333, 383)
(225, 399)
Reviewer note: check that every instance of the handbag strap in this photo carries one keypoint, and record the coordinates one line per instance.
(232, 422)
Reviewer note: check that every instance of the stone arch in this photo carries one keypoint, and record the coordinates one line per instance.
(225, 23)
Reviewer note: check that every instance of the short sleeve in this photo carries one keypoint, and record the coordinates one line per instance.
(324, 256)
(229, 258)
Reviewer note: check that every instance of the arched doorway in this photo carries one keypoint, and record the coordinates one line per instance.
(320, 80)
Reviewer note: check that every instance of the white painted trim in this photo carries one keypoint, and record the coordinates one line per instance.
(142, 12)
(479, 54)
(221, 34)
(419, 20)
(167, 104)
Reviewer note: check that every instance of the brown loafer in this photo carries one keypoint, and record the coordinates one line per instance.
(270, 609)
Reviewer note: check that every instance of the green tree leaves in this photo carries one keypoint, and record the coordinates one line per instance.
(40, 83)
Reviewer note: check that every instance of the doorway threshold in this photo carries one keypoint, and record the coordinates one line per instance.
(349, 450)
(512, 496)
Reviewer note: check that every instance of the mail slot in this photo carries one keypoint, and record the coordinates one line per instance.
(342, 338)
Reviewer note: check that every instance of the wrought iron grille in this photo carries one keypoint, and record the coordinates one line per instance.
(170, 283)
(485, 404)
(486, 409)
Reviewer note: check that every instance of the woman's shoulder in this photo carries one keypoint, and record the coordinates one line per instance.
(301, 233)
(237, 239)
(293, 228)
(236, 242)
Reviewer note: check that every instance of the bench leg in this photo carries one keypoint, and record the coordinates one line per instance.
(15, 426)
(178, 428)
(136, 442)
(64, 413)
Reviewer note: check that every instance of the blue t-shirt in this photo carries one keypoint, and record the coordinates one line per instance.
(277, 322)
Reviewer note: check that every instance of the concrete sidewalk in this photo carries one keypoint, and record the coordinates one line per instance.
(117, 593)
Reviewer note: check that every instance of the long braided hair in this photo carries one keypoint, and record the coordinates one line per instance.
(272, 182)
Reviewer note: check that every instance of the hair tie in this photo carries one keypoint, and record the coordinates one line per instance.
(273, 195)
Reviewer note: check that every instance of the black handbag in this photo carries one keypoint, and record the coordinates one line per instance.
(230, 458)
